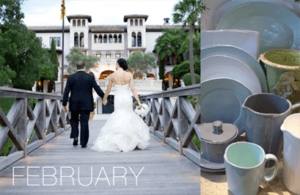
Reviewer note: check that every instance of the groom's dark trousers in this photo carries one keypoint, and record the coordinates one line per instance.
(81, 102)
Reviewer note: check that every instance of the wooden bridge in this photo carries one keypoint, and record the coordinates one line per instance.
(44, 161)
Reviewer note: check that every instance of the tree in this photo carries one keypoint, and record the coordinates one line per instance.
(188, 13)
(161, 71)
(47, 70)
(6, 74)
(180, 70)
(187, 79)
(26, 59)
(140, 64)
(54, 60)
(75, 56)
(169, 43)
(185, 44)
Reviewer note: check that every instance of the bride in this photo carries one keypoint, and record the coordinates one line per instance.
(124, 129)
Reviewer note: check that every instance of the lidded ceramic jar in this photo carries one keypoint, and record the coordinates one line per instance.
(215, 137)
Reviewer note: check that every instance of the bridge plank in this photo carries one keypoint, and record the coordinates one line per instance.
(165, 170)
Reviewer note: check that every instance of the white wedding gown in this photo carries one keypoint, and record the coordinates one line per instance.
(124, 129)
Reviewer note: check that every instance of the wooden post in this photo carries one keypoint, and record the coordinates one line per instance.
(25, 148)
(22, 125)
(166, 117)
(155, 115)
(182, 123)
(42, 119)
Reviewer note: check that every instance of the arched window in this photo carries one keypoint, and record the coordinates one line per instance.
(133, 39)
(74, 22)
(105, 38)
(141, 22)
(120, 38)
(81, 40)
(95, 38)
(83, 22)
(78, 23)
(131, 22)
(110, 38)
(100, 38)
(115, 38)
(76, 39)
(136, 22)
(139, 39)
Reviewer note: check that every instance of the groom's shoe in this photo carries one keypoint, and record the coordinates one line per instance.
(83, 146)
(75, 142)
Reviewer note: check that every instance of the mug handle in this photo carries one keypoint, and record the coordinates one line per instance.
(271, 177)
(295, 106)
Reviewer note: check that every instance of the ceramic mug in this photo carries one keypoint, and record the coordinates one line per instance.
(245, 167)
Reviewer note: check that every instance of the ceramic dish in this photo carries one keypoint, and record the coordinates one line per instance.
(275, 31)
(239, 54)
(221, 66)
(222, 99)
(244, 39)
(220, 11)
(207, 17)
(211, 167)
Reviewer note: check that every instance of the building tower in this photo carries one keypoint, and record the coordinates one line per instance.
(136, 32)
(79, 31)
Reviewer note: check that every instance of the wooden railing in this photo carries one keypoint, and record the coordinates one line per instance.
(47, 120)
(175, 125)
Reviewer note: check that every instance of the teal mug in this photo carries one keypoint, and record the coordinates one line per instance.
(245, 167)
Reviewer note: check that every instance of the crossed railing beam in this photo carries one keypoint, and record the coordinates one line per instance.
(175, 125)
(47, 121)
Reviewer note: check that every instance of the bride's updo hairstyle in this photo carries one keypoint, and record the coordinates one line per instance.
(123, 64)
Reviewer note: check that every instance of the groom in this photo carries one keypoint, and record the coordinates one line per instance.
(81, 85)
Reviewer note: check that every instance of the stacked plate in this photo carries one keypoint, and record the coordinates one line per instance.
(263, 16)
(229, 74)
(234, 34)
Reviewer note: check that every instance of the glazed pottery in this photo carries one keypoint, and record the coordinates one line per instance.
(221, 66)
(283, 73)
(263, 116)
(245, 167)
(291, 153)
(215, 137)
(207, 17)
(239, 54)
(275, 31)
(220, 11)
(243, 39)
(221, 100)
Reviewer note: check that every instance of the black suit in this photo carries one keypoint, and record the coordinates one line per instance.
(81, 85)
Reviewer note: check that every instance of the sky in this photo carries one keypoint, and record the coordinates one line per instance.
(103, 12)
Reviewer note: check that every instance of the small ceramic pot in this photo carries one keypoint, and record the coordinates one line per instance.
(283, 73)
(215, 137)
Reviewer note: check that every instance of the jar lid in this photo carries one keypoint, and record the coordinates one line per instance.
(217, 132)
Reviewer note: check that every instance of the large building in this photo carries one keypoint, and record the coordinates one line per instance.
(107, 42)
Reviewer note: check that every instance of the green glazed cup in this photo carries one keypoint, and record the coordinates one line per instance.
(283, 73)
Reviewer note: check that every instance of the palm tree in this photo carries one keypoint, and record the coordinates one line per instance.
(188, 13)
(169, 43)
(185, 43)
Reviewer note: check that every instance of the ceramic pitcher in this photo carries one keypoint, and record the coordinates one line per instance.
(264, 113)
(291, 152)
